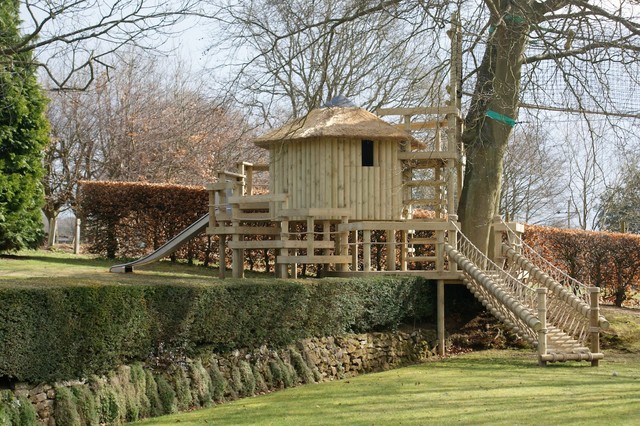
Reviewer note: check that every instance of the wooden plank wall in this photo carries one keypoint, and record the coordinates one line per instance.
(328, 173)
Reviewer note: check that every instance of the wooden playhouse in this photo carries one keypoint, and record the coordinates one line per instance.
(337, 177)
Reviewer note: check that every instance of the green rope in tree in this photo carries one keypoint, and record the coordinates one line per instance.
(501, 118)
(515, 19)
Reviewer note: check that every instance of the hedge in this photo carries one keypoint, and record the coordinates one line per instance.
(607, 260)
(125, 219)
(57, 333)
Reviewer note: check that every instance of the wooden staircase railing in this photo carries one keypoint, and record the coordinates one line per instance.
(532, 304)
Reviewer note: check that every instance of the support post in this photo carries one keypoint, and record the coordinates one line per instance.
(343, 237)
(452, 236)
(284, 236)
(354, 251)
(497, 256)
(542, 317)
(404, 246)
(366, 250)
(237, 260)
(326, 236)
(594, 318)
(440, 251)
(391, 250)
(441, 328)
(76, 236)
(222, 256)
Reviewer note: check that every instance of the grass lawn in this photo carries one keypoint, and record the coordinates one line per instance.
(59, 268)
(492, 387)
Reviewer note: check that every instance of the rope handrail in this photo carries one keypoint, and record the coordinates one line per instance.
(511, 300)
(576, 287)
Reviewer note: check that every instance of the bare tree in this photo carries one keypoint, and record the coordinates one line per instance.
(84, 34)
(288, 58)
(149, 121)
(566, 54)
(585, 151)
(533, 177)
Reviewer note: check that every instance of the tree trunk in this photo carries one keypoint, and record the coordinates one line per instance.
(52, 218)
(488, 125)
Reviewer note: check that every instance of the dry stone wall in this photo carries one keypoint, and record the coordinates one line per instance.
(170, 382)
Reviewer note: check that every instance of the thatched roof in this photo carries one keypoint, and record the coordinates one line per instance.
(339, 122)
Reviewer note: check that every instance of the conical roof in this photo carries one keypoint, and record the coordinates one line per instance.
(339, 122)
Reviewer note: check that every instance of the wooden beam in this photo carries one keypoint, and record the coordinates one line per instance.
(427, 182)
(314, 259)
(245, 230)
(250, 199)
(417, 111)
(427, 155)
(276, 244)
(317, 213)
(415, 224)
(422, 125)
(220, 186)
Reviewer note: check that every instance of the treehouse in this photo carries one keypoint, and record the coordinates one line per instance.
(352, 194)
(336, 177)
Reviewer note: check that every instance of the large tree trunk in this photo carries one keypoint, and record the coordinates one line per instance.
(488, 126)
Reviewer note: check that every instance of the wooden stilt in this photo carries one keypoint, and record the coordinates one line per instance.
(366, 250)
(391, 250)
(222, 256)
(594, 319)
(441, 328)
(542, 333)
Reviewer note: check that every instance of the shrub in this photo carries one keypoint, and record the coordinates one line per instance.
(66, 409)
(301, 367)
(167, 395)
(151, 391)
(86, 404)
(201, 385)
(261, 384)
(16, 411)
(248, 379)
(218, 383)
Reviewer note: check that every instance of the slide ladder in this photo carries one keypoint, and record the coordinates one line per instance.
(561, 319)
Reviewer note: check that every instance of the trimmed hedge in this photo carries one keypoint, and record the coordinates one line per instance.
(607, 260)
(58, 333)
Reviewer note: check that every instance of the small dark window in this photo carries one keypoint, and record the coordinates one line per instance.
(367, 153)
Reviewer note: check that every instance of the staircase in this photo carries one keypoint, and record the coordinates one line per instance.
(553, 312)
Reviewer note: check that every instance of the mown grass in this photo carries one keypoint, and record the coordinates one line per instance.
(42, 267)
(492, 387)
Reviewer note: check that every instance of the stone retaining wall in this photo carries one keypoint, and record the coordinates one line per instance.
(170, 382)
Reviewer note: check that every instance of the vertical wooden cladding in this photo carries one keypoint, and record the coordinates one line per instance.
(328, 173)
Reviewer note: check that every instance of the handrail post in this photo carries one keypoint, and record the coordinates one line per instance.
(498, 231)
(594, 329)
(452, 236)
(542, 317)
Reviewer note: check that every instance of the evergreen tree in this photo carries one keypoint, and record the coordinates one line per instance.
(23, 135)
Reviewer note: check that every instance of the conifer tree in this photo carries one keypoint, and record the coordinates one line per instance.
(23, 135)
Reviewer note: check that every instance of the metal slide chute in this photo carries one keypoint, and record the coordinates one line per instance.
(167, 248)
